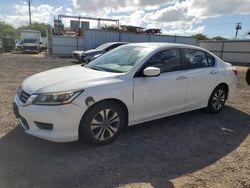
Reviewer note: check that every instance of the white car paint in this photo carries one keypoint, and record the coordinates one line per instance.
(77, 54)
(146, 98)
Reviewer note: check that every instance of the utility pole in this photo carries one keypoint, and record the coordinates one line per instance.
(29, 3)
(238, 27)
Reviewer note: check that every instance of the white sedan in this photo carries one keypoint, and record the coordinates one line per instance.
(132, 84)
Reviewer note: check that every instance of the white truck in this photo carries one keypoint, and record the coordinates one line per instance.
(31, 41)
(44, 43)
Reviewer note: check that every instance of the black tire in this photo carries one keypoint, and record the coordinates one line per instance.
(248, 76)
(89, 131)
(217, 99)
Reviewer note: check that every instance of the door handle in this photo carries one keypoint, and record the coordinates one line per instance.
(181, 78)
(214, 72)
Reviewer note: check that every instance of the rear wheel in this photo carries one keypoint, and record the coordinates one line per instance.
(102, 123)
(217, 99)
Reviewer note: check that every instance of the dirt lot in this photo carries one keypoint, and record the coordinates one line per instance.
(194, 149)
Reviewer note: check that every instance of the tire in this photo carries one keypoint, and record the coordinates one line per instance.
(95, 126)
(248, 76)
(217, 99)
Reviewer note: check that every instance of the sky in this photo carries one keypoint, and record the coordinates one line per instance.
(175, 17)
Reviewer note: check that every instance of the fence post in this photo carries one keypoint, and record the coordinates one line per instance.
(50, 45)
(222, 49)
(197, 42)
(119, 36)
(175, 38)
(149, 38)
(77, 42)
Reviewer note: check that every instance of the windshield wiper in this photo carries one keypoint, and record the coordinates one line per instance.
(101, 68)
(93, 67)
(111, 70)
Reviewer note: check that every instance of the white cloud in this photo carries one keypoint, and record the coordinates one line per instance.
(97, 5)
(42, 13)
(135, 18)
(172, 13)
(172, 16)
(69, 11)
(207, 8)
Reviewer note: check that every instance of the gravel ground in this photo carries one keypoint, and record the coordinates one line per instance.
(193, 149)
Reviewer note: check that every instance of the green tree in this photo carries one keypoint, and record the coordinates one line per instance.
(200, 37)
(6, 30)
(219, 38)
(42, 27)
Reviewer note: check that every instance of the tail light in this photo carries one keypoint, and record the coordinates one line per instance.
(235, 71)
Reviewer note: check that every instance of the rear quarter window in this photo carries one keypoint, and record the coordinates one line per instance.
(210, 60)
(198, 59)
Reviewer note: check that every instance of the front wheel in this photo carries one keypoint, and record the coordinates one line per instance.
(217, 99)
(248, 76)
(102, 123)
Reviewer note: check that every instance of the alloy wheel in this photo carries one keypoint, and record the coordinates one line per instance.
(105, 124)
(219, 99)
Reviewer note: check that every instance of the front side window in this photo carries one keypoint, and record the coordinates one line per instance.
(198, 59)
(167, 60)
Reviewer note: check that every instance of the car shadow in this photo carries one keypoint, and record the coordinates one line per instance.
(154, 153)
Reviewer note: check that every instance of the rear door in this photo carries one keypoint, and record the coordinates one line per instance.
(202, 77)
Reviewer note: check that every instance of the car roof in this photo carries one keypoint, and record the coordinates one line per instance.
(157, 45)
(111, 43)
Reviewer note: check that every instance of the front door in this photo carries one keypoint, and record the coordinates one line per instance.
(158, 96)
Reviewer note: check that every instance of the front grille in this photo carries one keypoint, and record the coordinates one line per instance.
(23, 96)
(29, 47)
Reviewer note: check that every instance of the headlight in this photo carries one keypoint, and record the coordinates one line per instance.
(83, 55)
(55, 98)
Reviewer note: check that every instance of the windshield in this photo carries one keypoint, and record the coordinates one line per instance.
(102, 47)
(121, 59)
(29, 40)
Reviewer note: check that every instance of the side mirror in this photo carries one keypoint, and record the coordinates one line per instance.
(151, 71)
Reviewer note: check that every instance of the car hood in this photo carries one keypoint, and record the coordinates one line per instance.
(93, 51)
(67, 78)
(77, 52)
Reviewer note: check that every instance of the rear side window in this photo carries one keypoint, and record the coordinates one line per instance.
(167, 60)
(198, 59)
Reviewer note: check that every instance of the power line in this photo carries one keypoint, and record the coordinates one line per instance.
(218, 23)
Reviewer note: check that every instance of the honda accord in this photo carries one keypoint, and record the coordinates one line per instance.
(131, 84)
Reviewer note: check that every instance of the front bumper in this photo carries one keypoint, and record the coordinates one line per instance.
(30, 51)
(65, 120)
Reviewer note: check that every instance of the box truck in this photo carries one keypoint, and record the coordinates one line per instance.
(31, 41)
